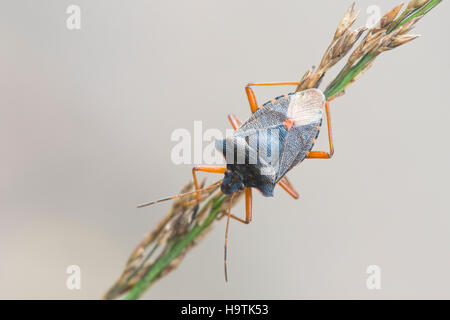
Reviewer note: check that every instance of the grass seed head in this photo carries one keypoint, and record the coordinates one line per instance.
(369, 44)
(346, 22)
(389, 17)
(415, 4)
(402, 39)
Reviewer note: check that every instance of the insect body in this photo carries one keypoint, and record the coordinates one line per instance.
(277, 137)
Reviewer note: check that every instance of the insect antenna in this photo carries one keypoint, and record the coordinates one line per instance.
(212, 186)
(226, 239)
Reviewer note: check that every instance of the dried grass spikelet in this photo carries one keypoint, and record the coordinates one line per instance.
(305, 79)
(369, 44)
(409, 25)
(343, 40)
(342, 47)
(307, 74)
(402, 39)
(389, 17)
(399, 36)
(381, 37)
(396, 41)
(415, 4)
(375, 36)
(387, 34)
(346, 22)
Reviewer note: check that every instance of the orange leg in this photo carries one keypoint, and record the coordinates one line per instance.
(323, 154)
(248, 208)
(287, 186)
(211, 169)
(251, 95)
(248, 205)
(235, 122)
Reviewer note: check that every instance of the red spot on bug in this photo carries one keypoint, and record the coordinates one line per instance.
(288, 124)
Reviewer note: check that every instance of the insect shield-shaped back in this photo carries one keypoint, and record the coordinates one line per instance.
(273, 140)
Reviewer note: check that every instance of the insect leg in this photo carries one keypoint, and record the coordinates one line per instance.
(323, 154)
(251, 95)
(211, 169)
(248, 209)
(226, 240)
(235, 122)
(287, 186)
(248, 205)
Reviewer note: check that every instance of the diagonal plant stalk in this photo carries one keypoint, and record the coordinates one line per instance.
(187, 222)
(174, 250)
(177, 233)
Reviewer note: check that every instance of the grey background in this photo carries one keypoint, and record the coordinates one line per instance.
(85, 125)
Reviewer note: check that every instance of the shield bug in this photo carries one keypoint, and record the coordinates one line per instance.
(285, 128)
(279, 135)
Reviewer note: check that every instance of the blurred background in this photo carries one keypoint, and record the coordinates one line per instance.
(85, 123)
